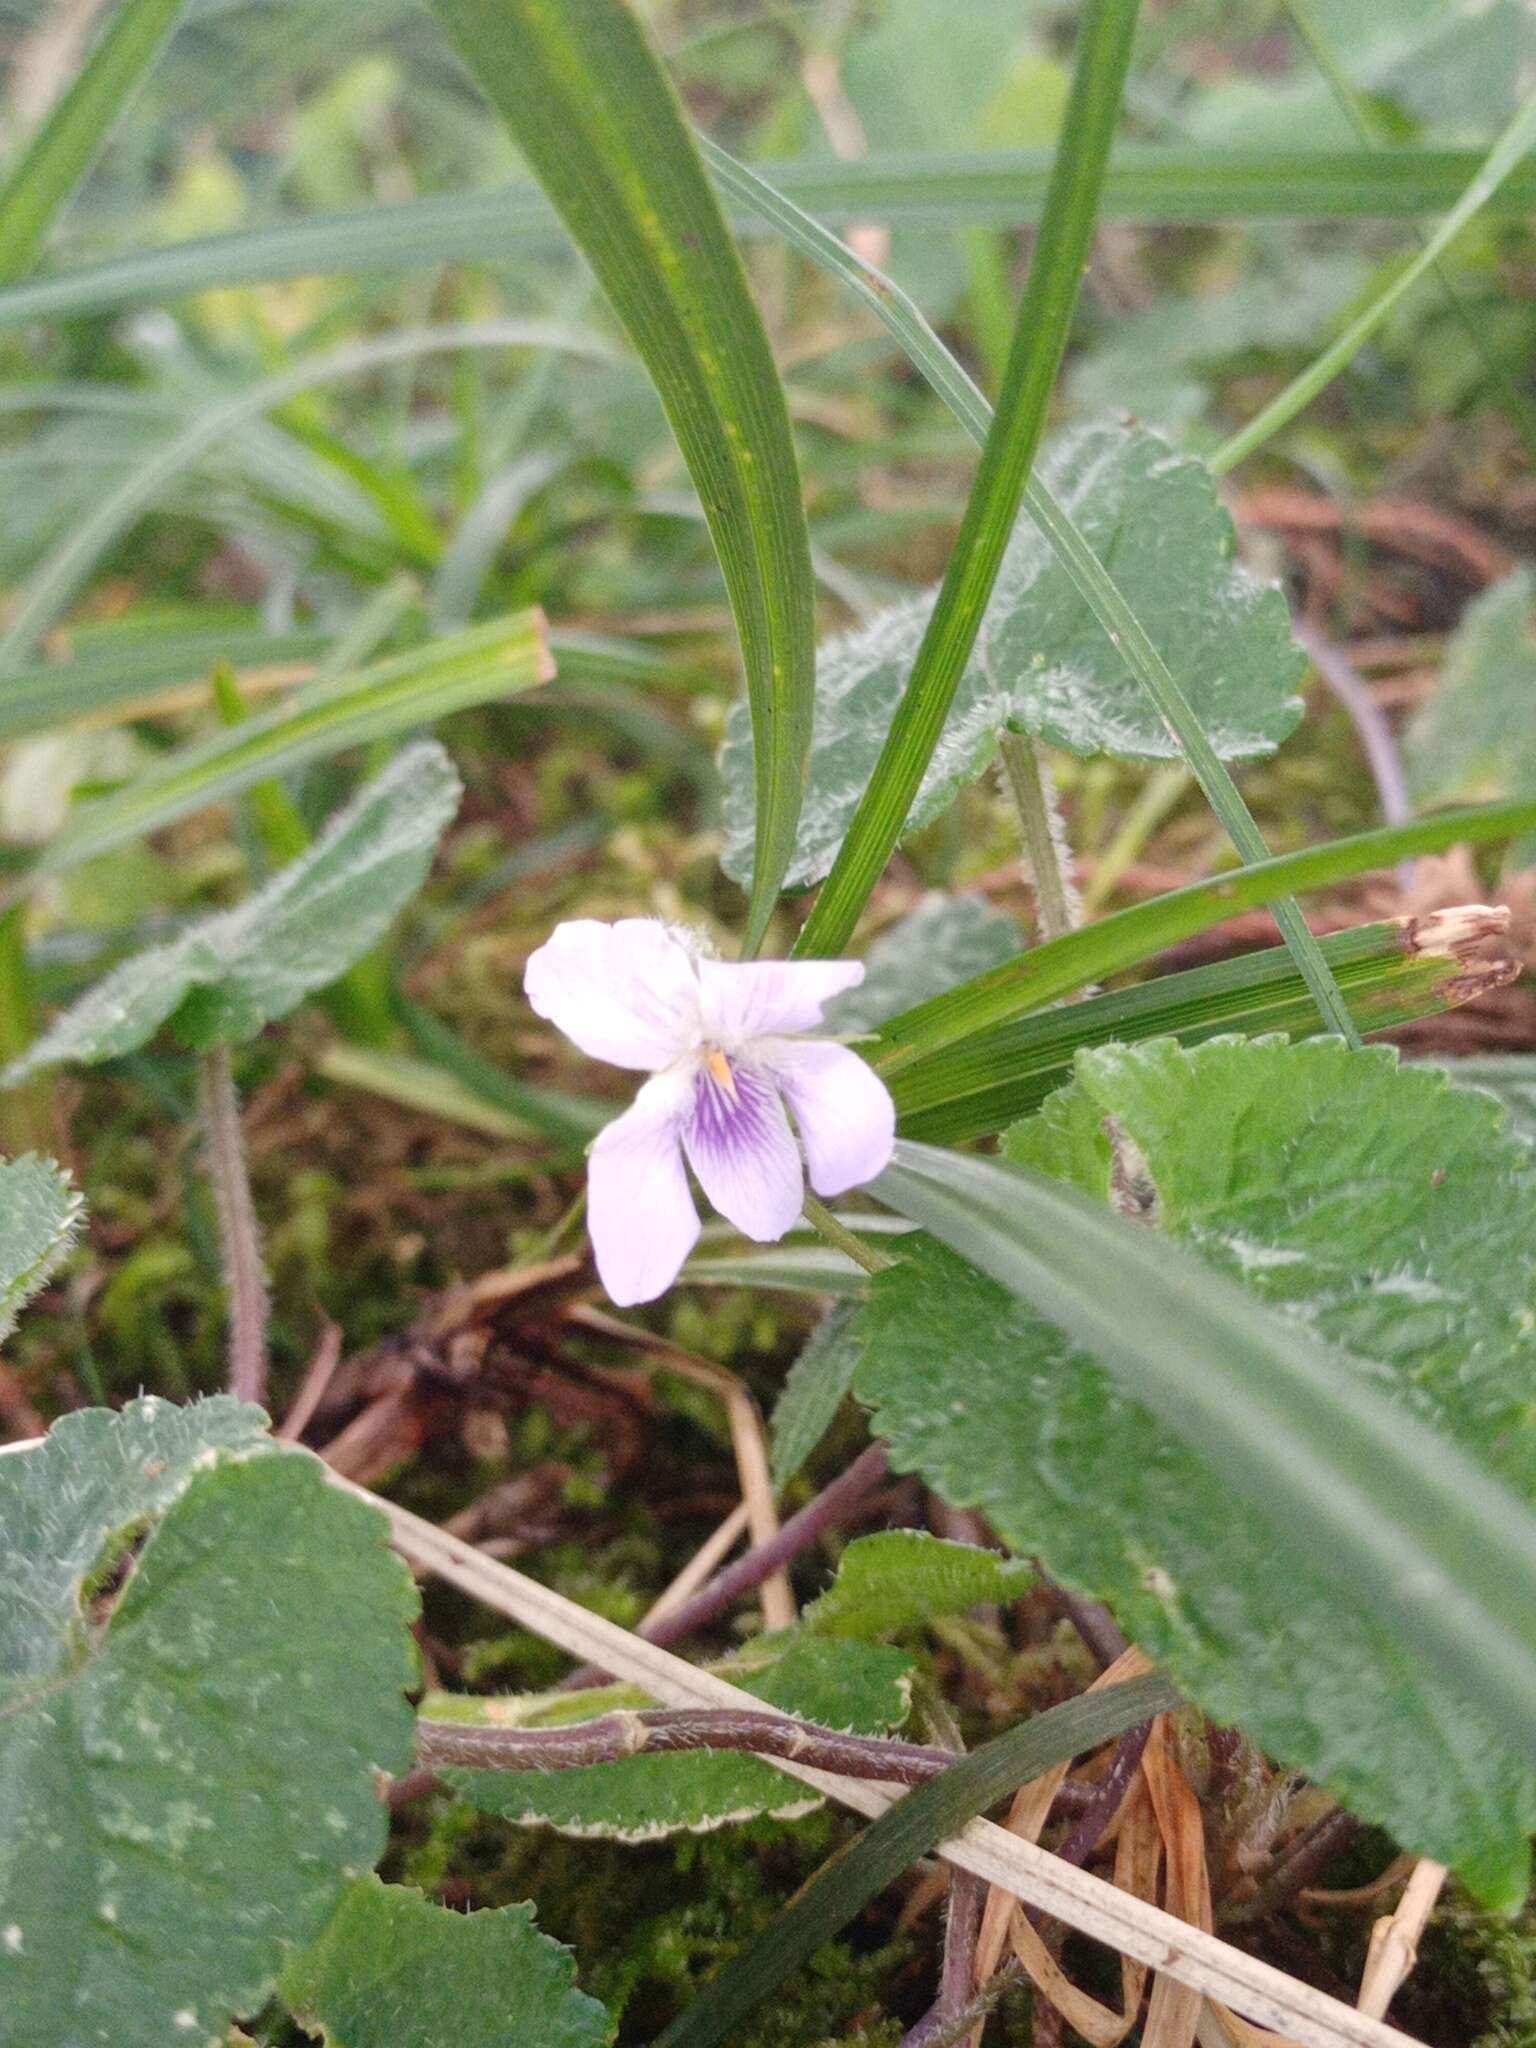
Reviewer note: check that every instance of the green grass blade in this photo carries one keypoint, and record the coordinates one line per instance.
(928, 354)
(1209, 770)
(587, 101)
(1152, 186)
(419, 1085)
(918, 1822)
(1046, 973)
(571, 1120)
(1372, 1497)
(76, 129)
(399, 695)
(1358, 113)
(983, 1083)
(1502, 160)
(123, 673)
(61, 575)
(1039, 341)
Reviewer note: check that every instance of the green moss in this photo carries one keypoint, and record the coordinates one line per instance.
(650, 1924)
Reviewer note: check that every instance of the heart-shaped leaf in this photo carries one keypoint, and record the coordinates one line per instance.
(1042, 663)
(188, 1764)
(1386, 1209)
(228, 975)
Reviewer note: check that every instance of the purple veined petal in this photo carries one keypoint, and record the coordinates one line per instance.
(740, 1145)
(627, 993)
(843, 1110)
(743, 1000)
(640, 1213)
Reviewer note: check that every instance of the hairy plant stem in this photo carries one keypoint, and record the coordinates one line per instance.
(1302, 1864)
(981, 2006)
(833, 1505)
(842, 1239)
(962, 1925)
(660, 1730)
(245, 1279)
(1027, 778)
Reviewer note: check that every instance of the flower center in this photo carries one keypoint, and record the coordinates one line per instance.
(719, 1070)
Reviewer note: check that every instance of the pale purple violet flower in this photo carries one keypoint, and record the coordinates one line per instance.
(722, 1042)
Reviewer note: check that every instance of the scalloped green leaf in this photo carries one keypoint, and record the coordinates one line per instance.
(1043, 664)
(188, 1777)
(859, 1687)
(900, 1579)
(395, 1970)
(70, 1506)
(40, 1212)
(1387, 1209)
(226, 976)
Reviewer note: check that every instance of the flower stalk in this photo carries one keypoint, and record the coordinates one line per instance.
(1028, 780)
(245, 1277)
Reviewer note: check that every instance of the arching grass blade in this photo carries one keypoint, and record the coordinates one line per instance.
(71, 137)
(589, 104)
(890, 1845)
(1031, 980)
(1501, 162)
(928, 354)
(1040, 337)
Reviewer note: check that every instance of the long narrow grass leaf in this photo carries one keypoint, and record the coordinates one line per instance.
(1370, 1495)
(138, 673)
(60, 576)
(1039, 341)
(894, 1842)
(1389, 974)
(76, 128)
(1094, 582)
(1046, 973)
(1368, 130)
(588, 102)
(1501, 162)
(401, 694)
(1149, 185)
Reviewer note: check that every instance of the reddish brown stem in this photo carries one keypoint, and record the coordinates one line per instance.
(833, 1505)
(666, 1730)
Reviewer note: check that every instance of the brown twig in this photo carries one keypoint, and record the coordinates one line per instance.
(1101, 1809)
(749, 1442)
(1095, 1624)
(1394, 1945)
(318, 1375)
(667, 1730)
(1302, 1862)
(830, 1507)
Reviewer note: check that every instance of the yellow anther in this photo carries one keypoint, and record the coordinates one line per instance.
(720, 1071)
